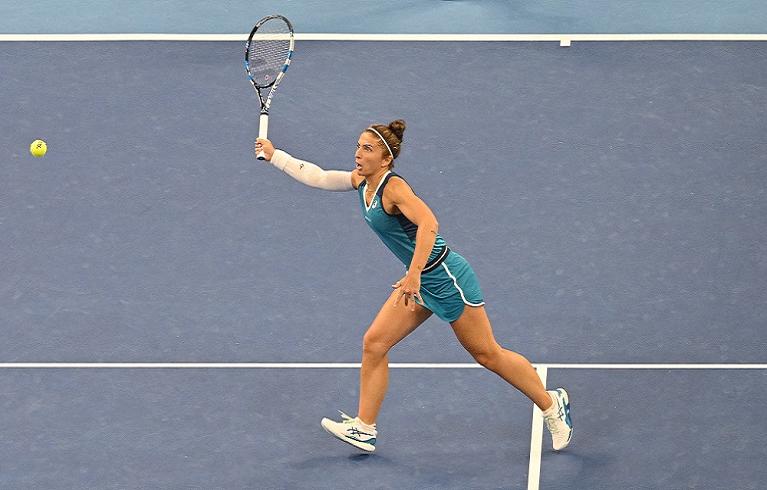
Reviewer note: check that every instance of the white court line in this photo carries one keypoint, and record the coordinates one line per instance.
(536, 440)
(390, 37)
(222, 365)
(655, 366)
(343, 365)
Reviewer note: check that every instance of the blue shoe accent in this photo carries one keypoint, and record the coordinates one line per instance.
(562, 393)
(356, 432)
(372, 441)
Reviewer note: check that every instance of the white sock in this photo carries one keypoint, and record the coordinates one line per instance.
(552, 409)
(366, 426)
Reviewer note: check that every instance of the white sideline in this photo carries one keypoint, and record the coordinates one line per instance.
(536, 440)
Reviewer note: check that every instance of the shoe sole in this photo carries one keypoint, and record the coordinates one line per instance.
(362, 446)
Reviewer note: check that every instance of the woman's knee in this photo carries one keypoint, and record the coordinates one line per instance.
(372, 345)
(489, 358)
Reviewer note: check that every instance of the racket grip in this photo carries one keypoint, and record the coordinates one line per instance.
(263, 128)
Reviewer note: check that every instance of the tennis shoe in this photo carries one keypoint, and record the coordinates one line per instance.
(352, 431)
(558, 419)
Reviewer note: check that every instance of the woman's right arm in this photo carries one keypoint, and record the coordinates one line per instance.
(306, 172)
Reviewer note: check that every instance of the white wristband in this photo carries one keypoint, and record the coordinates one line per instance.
(310, 174)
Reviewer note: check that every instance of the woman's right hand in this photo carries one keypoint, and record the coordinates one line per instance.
(266, 146)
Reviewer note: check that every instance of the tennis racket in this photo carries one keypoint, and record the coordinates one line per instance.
(267, 58)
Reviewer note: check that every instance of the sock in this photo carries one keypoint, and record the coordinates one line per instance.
(552, 409)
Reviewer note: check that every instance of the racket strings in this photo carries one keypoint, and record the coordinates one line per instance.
(268, 51)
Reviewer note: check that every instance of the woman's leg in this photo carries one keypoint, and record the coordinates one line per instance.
(476, 335)
(392, 324)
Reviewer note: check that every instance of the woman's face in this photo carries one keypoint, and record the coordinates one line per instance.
(370, 156)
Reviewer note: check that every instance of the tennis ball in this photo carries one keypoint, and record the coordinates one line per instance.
(38, 148)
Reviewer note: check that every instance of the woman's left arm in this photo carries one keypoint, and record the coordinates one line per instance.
(401, 195)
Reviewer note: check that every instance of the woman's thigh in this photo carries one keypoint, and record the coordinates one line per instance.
(394, 323)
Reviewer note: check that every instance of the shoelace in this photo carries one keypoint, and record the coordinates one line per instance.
(351, 420)
(347, 419)
(551, 422)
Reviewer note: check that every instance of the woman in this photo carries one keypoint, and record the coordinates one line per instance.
(438, 281)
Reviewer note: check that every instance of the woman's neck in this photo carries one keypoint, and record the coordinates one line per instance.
(375, 179)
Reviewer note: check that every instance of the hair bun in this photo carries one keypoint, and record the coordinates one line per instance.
(398, 128)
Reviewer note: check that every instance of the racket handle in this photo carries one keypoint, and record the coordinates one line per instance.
(263, 127)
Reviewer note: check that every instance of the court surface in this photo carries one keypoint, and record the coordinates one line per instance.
(610, 196)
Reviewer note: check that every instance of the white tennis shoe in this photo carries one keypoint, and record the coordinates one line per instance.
(558, 419)
(352, 431)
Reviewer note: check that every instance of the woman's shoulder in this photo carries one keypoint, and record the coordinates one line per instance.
(397, 181)
(357, 179)
(397, 185)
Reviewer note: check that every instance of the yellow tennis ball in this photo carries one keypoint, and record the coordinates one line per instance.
(38, 148)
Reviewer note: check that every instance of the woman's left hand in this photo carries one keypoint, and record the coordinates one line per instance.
(409, 287)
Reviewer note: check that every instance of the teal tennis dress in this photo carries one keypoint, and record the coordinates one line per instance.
(447, 281)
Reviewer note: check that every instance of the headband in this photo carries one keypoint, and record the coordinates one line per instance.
(371, 128)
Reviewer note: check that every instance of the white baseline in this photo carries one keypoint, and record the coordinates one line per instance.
(344, 365)
(389, 37)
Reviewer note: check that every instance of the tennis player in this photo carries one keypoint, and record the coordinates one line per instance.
(437, 281)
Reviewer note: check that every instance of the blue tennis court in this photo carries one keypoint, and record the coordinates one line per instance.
(176, 314)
